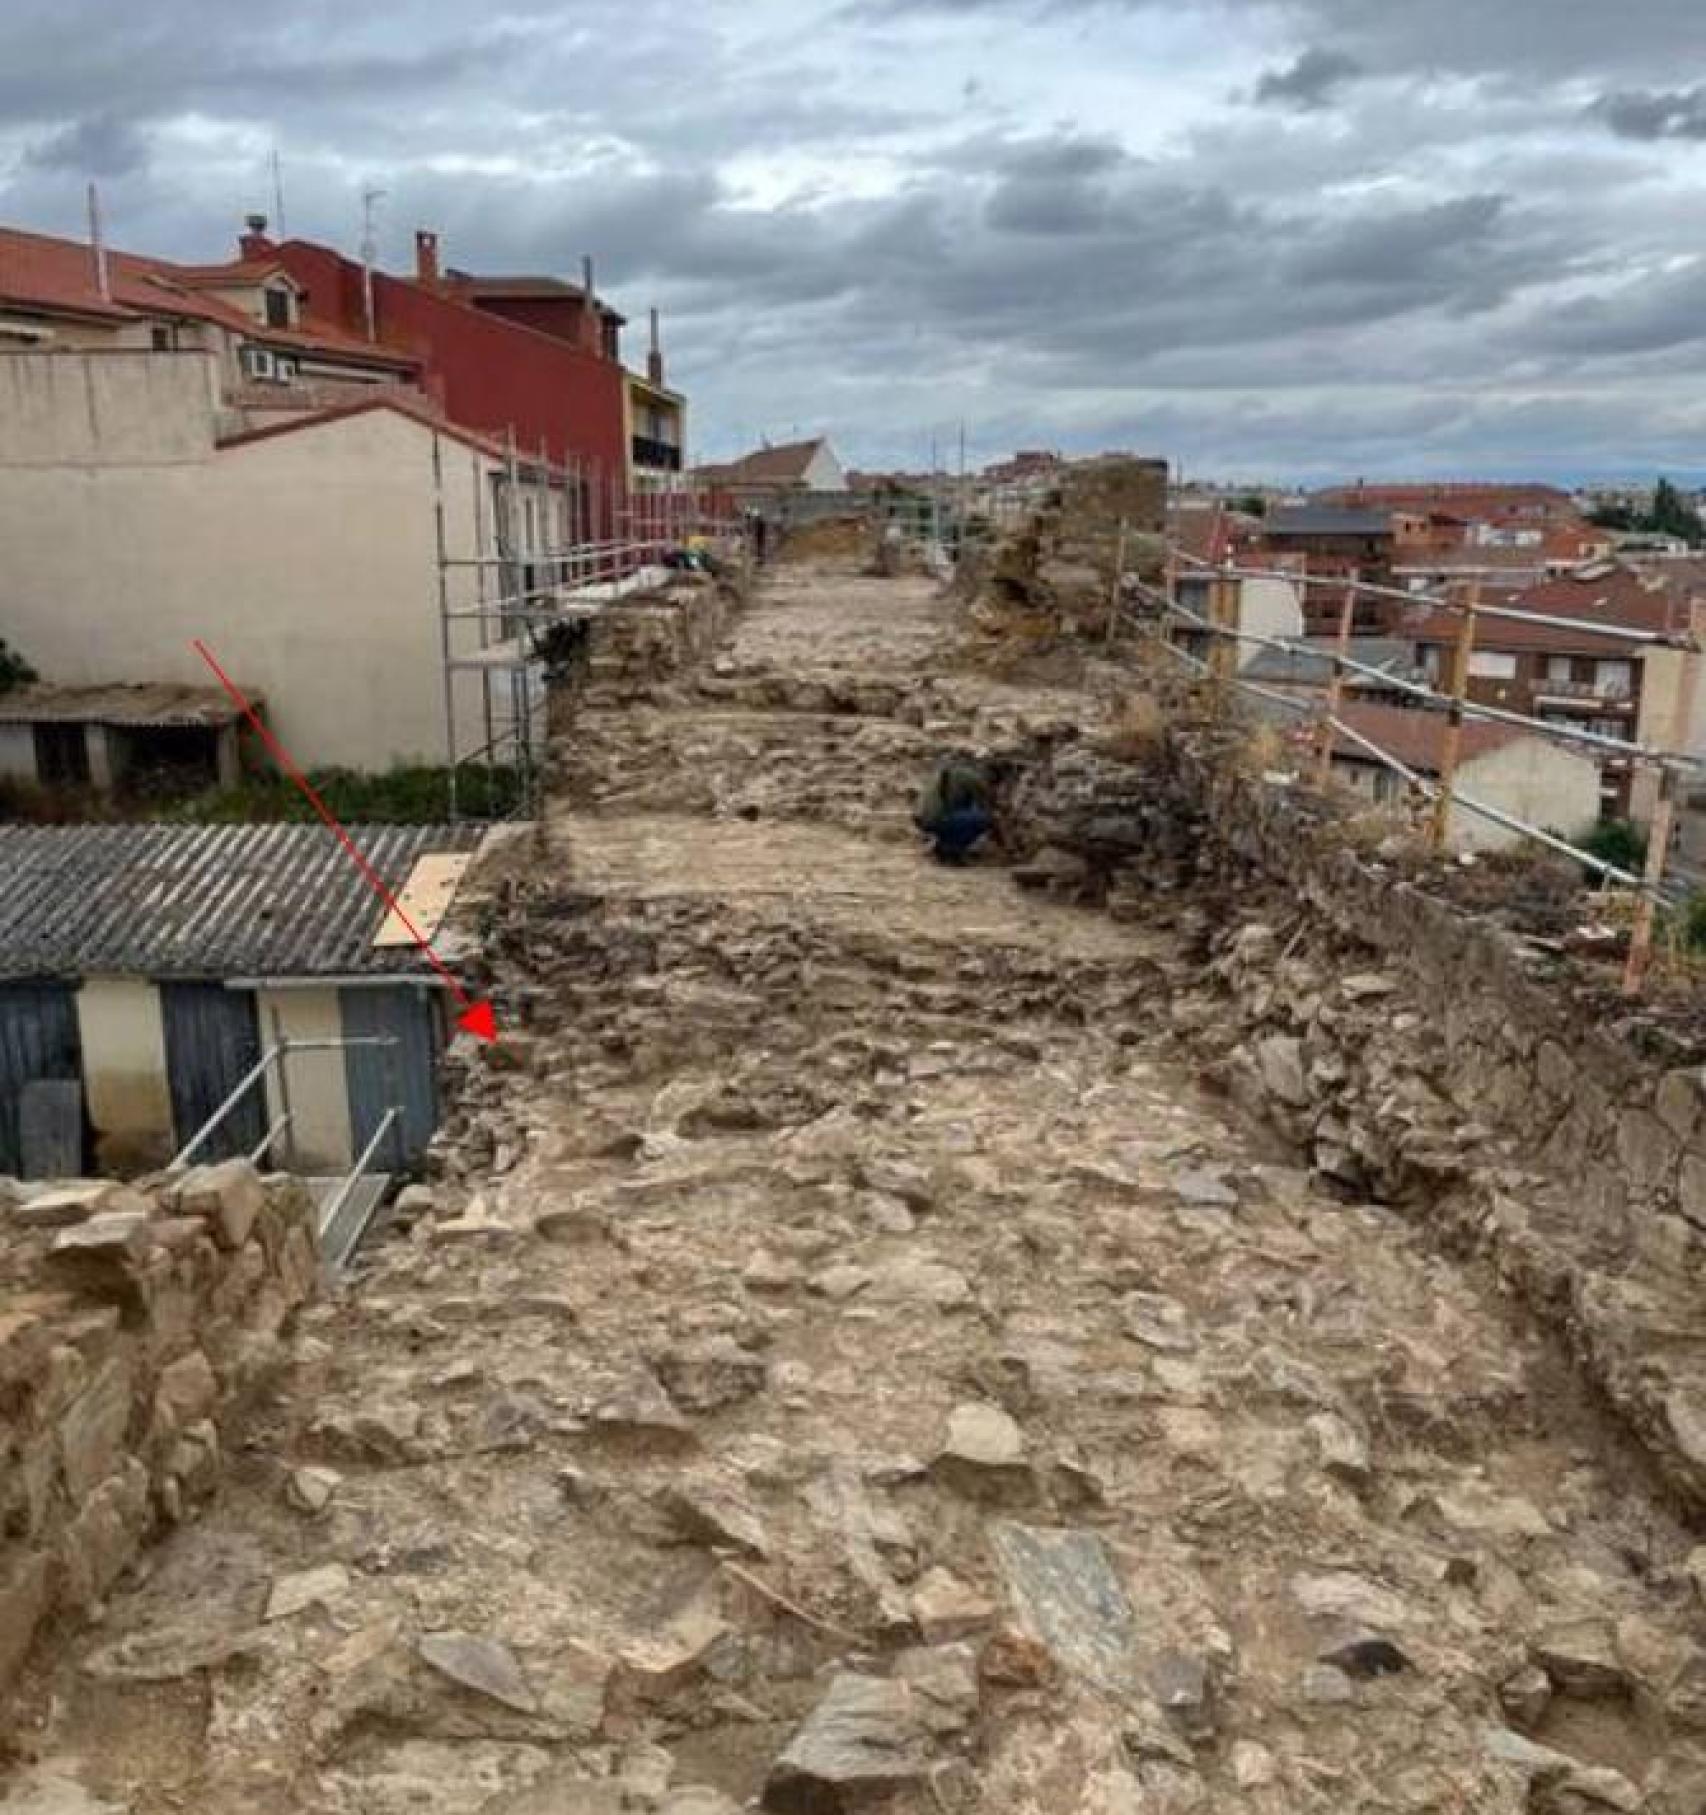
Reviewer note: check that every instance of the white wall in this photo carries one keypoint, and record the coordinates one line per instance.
(306, 561)
(1267, 608)
(84, 408)
(1533, 780)
(825, 474)
(319, 1138)
(124, 1071)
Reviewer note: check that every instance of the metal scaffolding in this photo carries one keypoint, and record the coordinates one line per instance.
(554, 543)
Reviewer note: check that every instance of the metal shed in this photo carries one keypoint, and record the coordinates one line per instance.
(160, 965)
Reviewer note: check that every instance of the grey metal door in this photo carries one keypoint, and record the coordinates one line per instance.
(38, 1040)
(404, 1074)
(213, 1038)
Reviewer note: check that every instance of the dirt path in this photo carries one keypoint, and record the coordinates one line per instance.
(864, 1349)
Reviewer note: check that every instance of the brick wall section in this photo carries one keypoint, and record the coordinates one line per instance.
(133, 1321)
(1423, 1055)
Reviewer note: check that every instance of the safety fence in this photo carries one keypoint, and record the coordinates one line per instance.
(1440, 791)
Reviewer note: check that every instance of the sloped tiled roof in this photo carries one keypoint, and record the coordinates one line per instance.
(1416, 738)
(57, 276)
(204, 901)
(1615, 596)
(785, 464)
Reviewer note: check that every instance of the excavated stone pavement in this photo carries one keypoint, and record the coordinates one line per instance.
(851, 1365)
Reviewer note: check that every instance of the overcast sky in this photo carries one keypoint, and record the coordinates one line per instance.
(1311, 239)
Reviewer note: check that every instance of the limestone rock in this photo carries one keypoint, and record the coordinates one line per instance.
(62, 1205)
(486, 1666)
(1279, 1060)
(709, 1512)
(708, 1373)
(1180, 1683)
(320, 1587)
(943, 1680)
(229, 1196)
(983, 1452)
(310, 1490)
(943, 1607)
(1340, 1447)
(863, 1739)
(1158, 1322)
(1581, 1659)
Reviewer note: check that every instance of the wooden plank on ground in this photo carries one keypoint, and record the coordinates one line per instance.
(425, 897)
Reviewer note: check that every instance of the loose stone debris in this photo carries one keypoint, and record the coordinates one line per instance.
(886, 1376)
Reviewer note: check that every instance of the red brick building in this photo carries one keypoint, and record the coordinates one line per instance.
(541, 365)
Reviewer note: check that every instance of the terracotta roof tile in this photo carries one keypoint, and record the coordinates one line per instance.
(1416, 737)
(57, 276)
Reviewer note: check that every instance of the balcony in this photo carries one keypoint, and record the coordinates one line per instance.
(1615, 694)
(657, 454)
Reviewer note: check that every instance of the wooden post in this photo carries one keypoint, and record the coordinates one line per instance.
(1223, 614)
(1115, 591)
(1453, 749)
(1664, 812)
(1336, 685)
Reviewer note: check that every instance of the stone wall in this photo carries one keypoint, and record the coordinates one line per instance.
(1421, 1052)
(133, 1322)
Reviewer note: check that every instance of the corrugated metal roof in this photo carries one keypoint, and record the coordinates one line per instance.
(204, 901)
(141, 703)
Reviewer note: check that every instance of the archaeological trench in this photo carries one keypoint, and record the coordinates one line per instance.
(1196, 1311)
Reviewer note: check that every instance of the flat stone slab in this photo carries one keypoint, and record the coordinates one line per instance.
(485, 1666)
(1067, 1594)
(862, 1739)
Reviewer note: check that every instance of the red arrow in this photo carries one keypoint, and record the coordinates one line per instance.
(476, 1017)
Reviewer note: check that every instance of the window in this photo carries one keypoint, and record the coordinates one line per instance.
(257, 362)
(1492, 664)
(1613, 679)
(160, 339)
(278, 307)
(1558, 668)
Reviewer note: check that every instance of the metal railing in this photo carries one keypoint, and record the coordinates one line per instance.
(1432, 790)
(275, 1054)
(339, 1233)
(346, 1218)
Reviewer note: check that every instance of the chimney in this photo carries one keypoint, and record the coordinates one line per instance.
(254, 243)
(426, 259)
(654, 358)
(592, 325)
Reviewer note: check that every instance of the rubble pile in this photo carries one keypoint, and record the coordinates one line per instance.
(135, 1321)
(1056, 576)
(848, 1360)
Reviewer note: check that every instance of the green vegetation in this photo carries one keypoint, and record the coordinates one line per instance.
(1670, 515)
(1617, 841)
(14, 670)
(409, 796)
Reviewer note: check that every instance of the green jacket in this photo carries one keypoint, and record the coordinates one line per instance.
(957, 784)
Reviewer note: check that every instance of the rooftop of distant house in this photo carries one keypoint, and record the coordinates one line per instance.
(524, 288)
(1605, 592)
(1416, 737)
(1313, 667)
(1475, 496)
(1326, 520)
(784, 464)
(43, 276)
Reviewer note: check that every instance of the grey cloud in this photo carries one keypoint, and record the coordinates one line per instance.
(1309, 82)
(101, 146)
(1634, 113)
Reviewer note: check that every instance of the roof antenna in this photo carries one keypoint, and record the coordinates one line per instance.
(98, 246)
(278, 192)
(370, 199)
